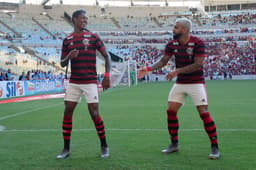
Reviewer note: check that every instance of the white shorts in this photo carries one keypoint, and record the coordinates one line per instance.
(197, 92)
(75, 91)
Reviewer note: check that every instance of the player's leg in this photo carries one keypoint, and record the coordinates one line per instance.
(67, 128)
(71, 99)
(173, 127)
(91, 95)
(100, 128)
(175, 100)
(199, 96)
(210, 129)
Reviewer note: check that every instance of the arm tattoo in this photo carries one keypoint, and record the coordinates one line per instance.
(192, 67)
(161, 63)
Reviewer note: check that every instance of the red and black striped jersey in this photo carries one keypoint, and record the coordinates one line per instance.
(83, 67)
(185, 55)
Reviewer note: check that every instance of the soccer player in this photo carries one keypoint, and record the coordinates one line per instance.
(80, 48)
(189, 53)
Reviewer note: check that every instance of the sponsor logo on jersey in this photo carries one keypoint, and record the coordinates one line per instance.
(191, 44)
(86, 36)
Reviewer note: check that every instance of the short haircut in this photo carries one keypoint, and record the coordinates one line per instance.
(185, 22)
(77, 13)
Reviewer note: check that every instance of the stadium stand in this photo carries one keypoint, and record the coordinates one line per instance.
(34, 34)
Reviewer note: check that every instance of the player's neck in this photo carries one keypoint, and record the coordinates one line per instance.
(78, 31)
(184, 39)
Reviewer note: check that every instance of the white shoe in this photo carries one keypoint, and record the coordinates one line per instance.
(171, 148)
(64, 154)
(215, 153)
(104, 152)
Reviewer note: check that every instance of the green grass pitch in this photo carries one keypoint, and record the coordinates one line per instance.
(135, 120)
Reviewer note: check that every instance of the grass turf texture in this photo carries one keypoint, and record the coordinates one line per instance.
(135, 119)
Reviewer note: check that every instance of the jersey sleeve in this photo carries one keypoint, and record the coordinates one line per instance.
(168, 49)
(100, 46)
(64, 49)
(200, 48)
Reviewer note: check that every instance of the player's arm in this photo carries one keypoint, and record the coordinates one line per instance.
(192, 67)
(102, 49)
(199, 59)
(162, 62)
(64, 61)
(66, 54)
(106, 79)
(66, 57)
(107, 61)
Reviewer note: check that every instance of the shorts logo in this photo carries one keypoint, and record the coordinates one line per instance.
(203, 100)
(95, 97)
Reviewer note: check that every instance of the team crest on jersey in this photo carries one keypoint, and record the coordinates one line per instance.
(71, 43)
(175, 50)
(190, 51)
(86, 41)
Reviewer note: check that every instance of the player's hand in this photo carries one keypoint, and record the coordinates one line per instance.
(73, 54)
(105, 83)
(171, 75)
(142, 72)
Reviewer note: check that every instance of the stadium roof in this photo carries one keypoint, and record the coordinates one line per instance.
(111, 2)
(189, 3)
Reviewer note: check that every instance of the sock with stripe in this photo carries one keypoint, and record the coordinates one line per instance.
(210, 128)
(66, 131)
(173, 125)
(99, 125)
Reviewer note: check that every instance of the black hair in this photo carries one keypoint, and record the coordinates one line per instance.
(77, 13)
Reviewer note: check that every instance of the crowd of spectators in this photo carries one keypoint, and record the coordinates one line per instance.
(231, 19)
(224, 58)
(198, 31)
(230, 58)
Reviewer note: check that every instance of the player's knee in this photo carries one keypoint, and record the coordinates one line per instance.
(202, 109)
(69, 110)
(94, 114)
(205, 115)
(171, 111)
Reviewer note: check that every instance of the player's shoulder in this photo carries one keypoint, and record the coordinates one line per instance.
(172, 43)
(196, 39)
(69, 37)
(88, 33)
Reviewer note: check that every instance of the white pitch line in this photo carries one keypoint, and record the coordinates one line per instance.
(28, 111)
(127, 130)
